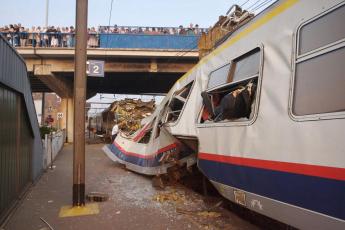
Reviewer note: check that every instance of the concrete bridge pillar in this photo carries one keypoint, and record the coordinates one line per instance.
(64, 90)
(67, 120)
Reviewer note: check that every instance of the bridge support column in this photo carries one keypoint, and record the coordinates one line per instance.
(67, 120)
(56, 84)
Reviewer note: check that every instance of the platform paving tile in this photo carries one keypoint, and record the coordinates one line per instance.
(133, 202)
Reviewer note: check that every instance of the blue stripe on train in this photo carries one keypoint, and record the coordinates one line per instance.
(314, 193)
(152, 162)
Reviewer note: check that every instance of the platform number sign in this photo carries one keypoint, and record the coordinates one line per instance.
(59, 116)
(95, 68)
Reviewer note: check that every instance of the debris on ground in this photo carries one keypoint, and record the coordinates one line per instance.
(209, 214)
(94, 139)
(44, 221)
(97, 197)
(201, 212)
(171, 196)
(174, 176)
(158, 182)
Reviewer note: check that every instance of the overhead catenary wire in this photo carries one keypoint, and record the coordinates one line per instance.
(183, 52)
(109, 21)
(253, 5)
(244, 3)
(110, 12)
(263, 4)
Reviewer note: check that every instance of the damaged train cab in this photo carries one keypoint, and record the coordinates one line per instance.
(152, 150)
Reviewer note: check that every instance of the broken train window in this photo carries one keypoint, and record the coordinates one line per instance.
(146, 133)
(234, 99)
(177, 103)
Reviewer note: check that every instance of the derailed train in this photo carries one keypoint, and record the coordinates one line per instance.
(281, 153)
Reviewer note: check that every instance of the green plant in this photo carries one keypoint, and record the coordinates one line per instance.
(46, 130)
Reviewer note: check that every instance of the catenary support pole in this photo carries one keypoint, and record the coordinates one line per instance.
(47, 13)
(79, 104)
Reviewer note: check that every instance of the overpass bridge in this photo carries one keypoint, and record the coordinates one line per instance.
(134, 64)
(127, 71)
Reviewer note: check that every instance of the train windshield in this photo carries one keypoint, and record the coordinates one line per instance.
(177, 103)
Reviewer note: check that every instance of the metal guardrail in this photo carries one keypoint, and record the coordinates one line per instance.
(104, 40)
(149, 30)
(53, 143)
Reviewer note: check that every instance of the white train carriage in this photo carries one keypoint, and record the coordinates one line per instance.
(281, 152)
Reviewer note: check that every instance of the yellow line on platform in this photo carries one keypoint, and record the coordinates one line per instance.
(87, 209)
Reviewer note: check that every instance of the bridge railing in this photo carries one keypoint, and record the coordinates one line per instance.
(151, 30)
(105, 40)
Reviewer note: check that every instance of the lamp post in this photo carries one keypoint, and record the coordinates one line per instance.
(79, 104)
(47, 12)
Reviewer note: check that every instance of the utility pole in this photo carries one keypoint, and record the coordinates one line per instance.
(79, 104)
(47, 12)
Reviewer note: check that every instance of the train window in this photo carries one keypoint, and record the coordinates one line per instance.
(319, 79)
(177, 103)
(235, 100)
(246, 66)
(325, 30)
(320, 84)
(219, 76)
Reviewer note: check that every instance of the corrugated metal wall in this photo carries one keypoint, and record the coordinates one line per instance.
(21, 149)
(15, 148)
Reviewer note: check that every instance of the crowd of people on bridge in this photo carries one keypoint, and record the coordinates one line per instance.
(52, 36)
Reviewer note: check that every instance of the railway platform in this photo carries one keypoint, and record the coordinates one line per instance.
(133, 202)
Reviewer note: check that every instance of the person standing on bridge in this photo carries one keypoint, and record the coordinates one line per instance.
(114, 132)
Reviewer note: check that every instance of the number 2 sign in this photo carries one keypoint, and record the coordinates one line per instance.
(95, 68)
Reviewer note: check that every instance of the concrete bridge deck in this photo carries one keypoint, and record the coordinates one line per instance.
(127, 70)
(131, 204)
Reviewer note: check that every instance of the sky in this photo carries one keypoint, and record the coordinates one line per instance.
(125, 12)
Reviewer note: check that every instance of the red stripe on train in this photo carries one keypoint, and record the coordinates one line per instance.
(304, 169)
(141, 133)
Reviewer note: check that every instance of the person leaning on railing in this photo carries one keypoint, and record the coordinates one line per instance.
(64, 30)
(32, 41)
(64, 37)
(70, 37)
(92, 41)
(23, 36)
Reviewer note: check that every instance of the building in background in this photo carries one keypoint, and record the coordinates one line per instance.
(49, 108)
